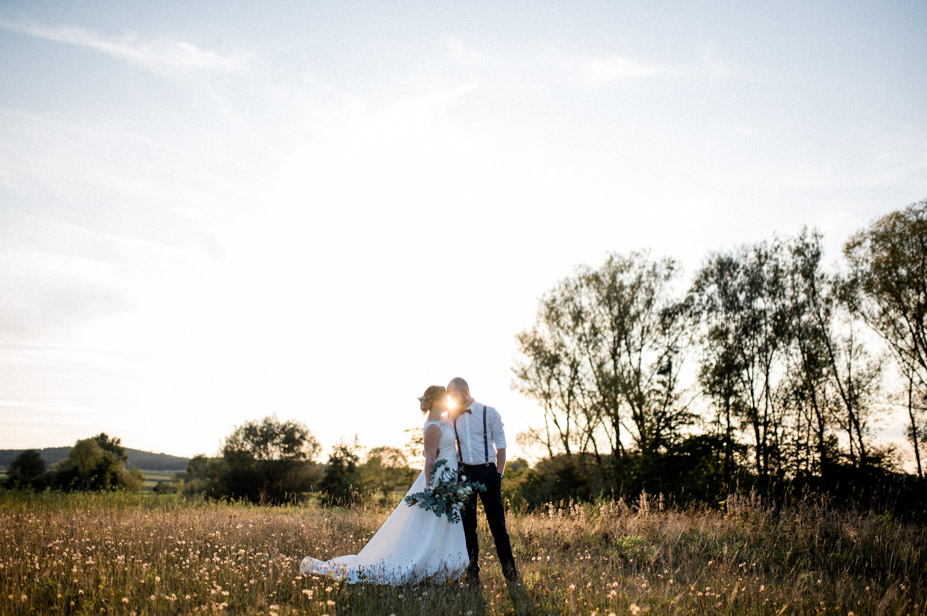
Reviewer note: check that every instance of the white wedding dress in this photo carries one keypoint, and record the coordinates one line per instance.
(412, 545)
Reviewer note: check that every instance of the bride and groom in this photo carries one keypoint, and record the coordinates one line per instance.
(414, 544)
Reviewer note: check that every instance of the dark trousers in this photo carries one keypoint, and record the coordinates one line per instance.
(495, 515)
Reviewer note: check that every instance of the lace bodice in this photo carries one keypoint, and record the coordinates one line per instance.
(447, 446)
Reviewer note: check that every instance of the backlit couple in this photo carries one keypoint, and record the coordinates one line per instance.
(414, 544)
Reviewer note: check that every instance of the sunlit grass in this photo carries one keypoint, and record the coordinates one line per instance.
(149, 554)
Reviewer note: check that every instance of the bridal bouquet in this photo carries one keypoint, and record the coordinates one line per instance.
(447, 494)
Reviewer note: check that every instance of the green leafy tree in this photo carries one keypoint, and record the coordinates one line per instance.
(26, 470)
(204, 475)
(267, 461)
(386, 469)
(341, 482)
(97, 463)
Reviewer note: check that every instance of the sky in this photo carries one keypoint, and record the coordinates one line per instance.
(213, 212)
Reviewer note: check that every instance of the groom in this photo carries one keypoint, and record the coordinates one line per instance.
(481, 443)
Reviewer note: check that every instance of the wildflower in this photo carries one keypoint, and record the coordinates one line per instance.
(24, 597)
(152, 598)
(634, 609)
(125, 600)
(330, 602)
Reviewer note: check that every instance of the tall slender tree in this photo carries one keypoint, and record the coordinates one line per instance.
(889, 262)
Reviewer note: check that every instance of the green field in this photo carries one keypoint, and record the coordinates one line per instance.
(143, 553)
(153, 477)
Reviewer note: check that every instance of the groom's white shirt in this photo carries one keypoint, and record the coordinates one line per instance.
(470, 433)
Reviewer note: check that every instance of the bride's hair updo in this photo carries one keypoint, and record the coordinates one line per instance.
(428, 398)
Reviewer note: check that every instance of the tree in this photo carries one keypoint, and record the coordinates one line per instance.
(740, 299)
(889, 262)
(386, 469)
(341, 483)
(635, 344)
(554, 371)
(266, 461)
(835, 380)
(26, 470)
(603, 360)
(205, 476)
(96, 463)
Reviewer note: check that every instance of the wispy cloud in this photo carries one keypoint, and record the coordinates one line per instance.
(159, 55)
(597, 72)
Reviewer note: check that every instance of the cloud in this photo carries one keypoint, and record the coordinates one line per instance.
(599, 72)
(158, 55)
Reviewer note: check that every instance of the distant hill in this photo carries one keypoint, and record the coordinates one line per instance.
(146, 460)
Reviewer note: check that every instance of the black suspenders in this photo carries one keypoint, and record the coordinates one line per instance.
(485, 438)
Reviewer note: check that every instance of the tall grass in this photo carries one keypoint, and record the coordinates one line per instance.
(145, 554)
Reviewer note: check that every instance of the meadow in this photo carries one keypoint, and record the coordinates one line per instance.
(143, 553)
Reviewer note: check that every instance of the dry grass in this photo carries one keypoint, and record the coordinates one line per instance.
(134, 554)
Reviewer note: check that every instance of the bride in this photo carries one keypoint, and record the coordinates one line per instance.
(413, 544)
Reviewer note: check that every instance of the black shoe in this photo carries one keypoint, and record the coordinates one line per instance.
(471, 580)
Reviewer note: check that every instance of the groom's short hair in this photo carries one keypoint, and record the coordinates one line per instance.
(458, 384)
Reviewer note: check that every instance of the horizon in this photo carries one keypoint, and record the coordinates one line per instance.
(210, 214)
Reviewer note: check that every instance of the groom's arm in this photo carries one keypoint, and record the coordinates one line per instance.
(500, 460)
(498, 439)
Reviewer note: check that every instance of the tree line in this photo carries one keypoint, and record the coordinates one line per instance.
(272, 462)
(770, 370)
(97, 463)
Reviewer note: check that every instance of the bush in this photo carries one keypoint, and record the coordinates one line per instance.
(97, 464)
(27, 470)
(267, 462)
(341, 484)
